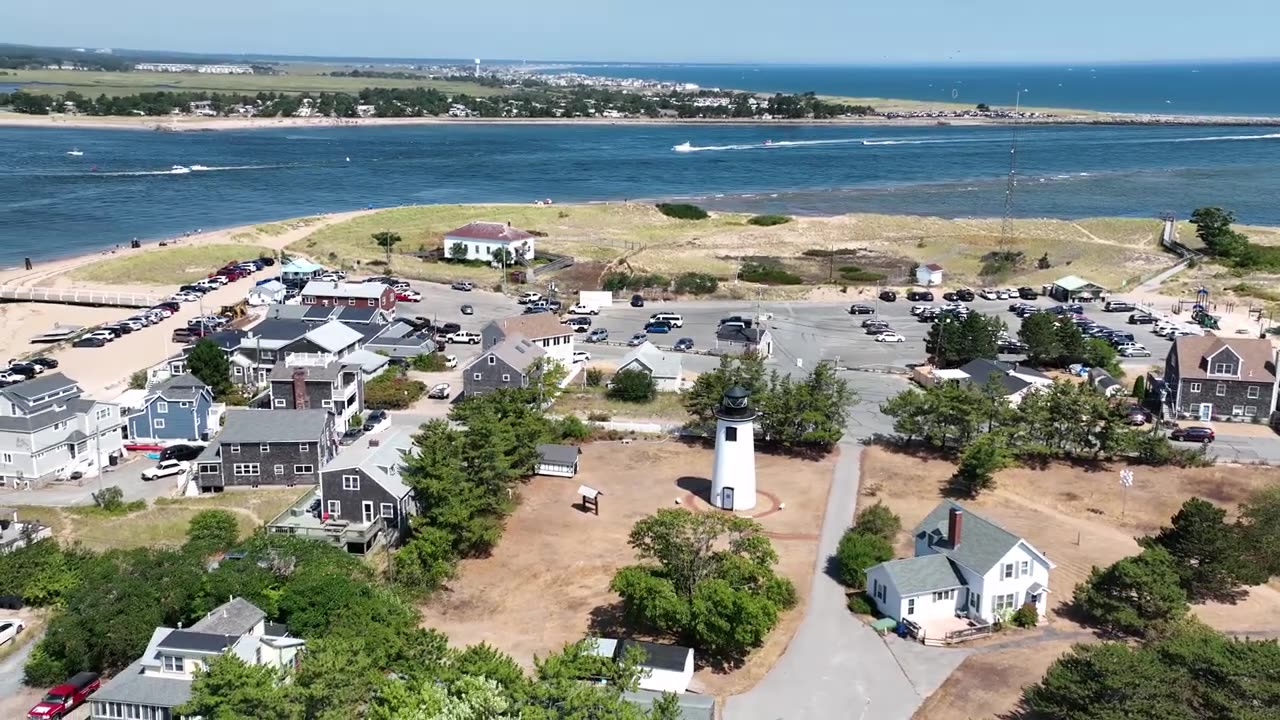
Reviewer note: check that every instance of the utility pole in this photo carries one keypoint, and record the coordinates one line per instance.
(1006, 224)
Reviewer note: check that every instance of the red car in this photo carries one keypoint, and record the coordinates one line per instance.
(231, 275)
(61, 699)
(409, 296)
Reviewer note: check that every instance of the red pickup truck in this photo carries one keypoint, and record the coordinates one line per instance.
(61, 699)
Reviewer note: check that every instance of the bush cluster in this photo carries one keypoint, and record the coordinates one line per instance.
(769, 220)
(682, 211)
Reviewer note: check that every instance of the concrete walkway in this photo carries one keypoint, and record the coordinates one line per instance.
(835, 666)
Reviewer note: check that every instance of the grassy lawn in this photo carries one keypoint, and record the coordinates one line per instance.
(583, 401)
(131, 83)
(167, 265)
(162, 524)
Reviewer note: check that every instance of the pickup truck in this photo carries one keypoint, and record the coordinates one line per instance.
(471, 338)
(166, 468)
(10, 628)
(62, 699)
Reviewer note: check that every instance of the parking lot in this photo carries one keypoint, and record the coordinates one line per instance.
(127, 476)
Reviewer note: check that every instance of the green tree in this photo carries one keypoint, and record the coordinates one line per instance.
(1136, 595)
(979, 462)
(466, 698)
(696, 283)
(1213, 228)
(809, 414)
(666, 707)
(1039, 333)
(726, 621)
(952, 342)
(1260, 525)
(138, 380)
(1110, 681)
(207, 362)
(1209, 552)
(634, 386)
(880, 521)
(231, 689)
(1101, 354)
(708, 389)
(1140, 388)
(857, 552)
(211, 531)
(386, 240)
(426, 560)
(458, 251)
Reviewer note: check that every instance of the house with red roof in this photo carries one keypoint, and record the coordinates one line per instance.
(482, 239)
(929, 275)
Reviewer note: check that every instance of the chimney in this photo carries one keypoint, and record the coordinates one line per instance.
(955, 526)
(299, 389)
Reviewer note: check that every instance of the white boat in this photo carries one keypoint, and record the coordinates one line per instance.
(199, 167)
(683, 147)
(179, 170)
(75, 152)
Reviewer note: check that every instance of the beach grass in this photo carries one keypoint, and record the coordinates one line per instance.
(94, 83)
(587, 401)
(165, 265)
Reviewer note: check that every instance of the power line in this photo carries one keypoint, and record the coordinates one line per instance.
(1006, 224)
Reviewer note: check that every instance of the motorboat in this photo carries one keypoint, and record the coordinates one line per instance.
(684, 147)
(199, 167)
(179, 170)
(75, 152)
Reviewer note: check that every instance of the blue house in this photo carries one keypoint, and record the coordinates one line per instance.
(175, 409)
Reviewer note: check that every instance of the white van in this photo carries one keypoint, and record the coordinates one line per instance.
(671, 319)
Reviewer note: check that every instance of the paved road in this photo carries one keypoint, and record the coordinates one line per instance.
(80, 492)
(11, 668)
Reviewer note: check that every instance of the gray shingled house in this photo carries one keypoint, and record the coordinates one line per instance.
(507, 364)
(268, 447)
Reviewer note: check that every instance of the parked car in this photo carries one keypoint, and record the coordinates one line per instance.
(449, 328)
(879, 330)
(467, 337)
(47, 363)
(26, 369)
(468, 310)
(581, 309)
(684, 344)
(890, 337)
(529, 297)
(637, 301)
(166, 468)
(581, 356)
(400, 286)
(671, 319)
(1138, 351)
(1193, 434)
(376, 421)
(439, 392)
(1027, 293)
(950, 296)
(597, 335)
(8, 378)
(920, 296)
(104, 335)
(451, 361)
(185, 452)
(579, 324)
(1118, 306)
(1011, 347)
(409, 296)
(87, 341)
(10, 628)
(351, 436)
(735, 321)
(637, 339)
(267, 261)
(62, 699)
(1141, 319)
(657, 326)
(464, 285)
(859, 309)
(535, 309)
(889, 296)
(869, 322)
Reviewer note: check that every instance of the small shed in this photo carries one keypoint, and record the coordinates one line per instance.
(929, 275)
(270, 292)
(1102, 380)
(557, 460)
(1073, 288)
(665, 668)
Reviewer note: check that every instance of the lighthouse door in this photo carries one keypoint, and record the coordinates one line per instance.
(726, 498)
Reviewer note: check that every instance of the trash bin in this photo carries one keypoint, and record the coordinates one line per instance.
(113, 459)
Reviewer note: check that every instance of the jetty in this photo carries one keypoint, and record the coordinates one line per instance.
(94, 298)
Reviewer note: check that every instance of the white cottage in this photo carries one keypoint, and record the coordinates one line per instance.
(666, 368)
(966, 567)
(481, 240)
(929, 275)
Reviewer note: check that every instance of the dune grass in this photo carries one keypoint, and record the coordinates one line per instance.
(165, 265)
(93, 83)
(585, 401)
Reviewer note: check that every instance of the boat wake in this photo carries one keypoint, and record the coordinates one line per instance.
(1229, 138)
(183, 170)
(766, 145)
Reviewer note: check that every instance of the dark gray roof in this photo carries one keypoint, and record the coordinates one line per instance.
(982, 371)
(44, 415)
(267, 426)
(227, 339)
(312, 373)
(692, 706)
(982, 542)
(29, 393)
(318, 312)
(358, 315)
(558, 454)
(735, 334)
(926, 573)
(132, 686)
(180, 387)
(280, 329)
(234, 617)
(192, 641)
(659, 656)
(515, 351)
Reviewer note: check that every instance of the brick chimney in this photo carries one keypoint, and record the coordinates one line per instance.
(955, 526)
(299, 389)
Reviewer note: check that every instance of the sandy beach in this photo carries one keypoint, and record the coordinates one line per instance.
(185, 123)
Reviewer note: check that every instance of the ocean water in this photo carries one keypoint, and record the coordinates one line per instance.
(1211, 88)
(55, 204)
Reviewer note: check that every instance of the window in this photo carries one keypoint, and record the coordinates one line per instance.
(730, 434)
(1024, 568)
(1220, 390)
(944, 595)
(326, 403)
(493, 360)
(278, 469)
(8, 458)
(1004, 602)
(1224, 369)
(1237, 409)
(172, 663)
(210, 469)
(237, 371)
(304, 447)
(1251, 411)
(387, 510)
(162, 407)
(335, 508)
(304, 469)
(235, 447)
(476, 376)
(506, 377)
(1253, 392)
(264, 448)
(911, 606)
(245, 469)
(1008, 571)
(279, 402)
(975, 601)
(351, 302)
(184, 405)
(158, 424)
(351, 482)
(1193, 387)
(105, 412)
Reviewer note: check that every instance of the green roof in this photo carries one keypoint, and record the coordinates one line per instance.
(982, 542)
(926, 573)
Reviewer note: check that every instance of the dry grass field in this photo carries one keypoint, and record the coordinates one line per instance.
(166, 266)
(299, 79)
(547, 582)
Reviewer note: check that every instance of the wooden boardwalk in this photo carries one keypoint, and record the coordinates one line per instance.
(95, 298)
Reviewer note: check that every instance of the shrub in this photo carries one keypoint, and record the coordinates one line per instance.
(615, 281)
(595, 376)
(880, 521)
(757, 272)
(857, 552)
(138, 380)
(356, 421)
(571, 427)
(428, 362)
(212, 530)
(860, 604)
(853, 273)
(1000, 262)
(769, 220)
(825, 253)
(392, 391)
(636, 386)
(682, 211)
(598, 416)
(1140, 388)
(1026, 616)
(695, 283)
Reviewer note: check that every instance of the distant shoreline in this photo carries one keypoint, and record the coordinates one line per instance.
(195, 124)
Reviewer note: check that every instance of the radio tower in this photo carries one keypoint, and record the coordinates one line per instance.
(1006, 225)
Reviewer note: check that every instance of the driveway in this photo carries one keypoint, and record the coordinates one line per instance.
(80, 492)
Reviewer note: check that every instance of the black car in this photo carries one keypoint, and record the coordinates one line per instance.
(874, 321)
(637, 301)
(349, 437)
(889, 296)
(47, 363)
(964, 295)
(950, 296)
(1193, 434)
(1141, 319)
(197, 289)
(1118, 306)
(449, 328)
(684, 344)
(267, 261)
(374, 419)
(1012, 347)
(861, 310)
(181, 452)
(1027, 293)
(89, 342)
(879, 330)
(26, 370)
(920, 296)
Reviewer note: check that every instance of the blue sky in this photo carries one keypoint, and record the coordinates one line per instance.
(757, 31)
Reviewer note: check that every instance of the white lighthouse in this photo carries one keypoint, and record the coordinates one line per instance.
(733, 479)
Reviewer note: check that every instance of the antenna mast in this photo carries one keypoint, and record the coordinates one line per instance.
(1006, 225)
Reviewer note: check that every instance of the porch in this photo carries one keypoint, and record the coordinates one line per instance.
(356, 537)
(942, 631)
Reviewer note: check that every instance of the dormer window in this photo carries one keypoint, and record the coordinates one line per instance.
(1224, 368)
(172, 663)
